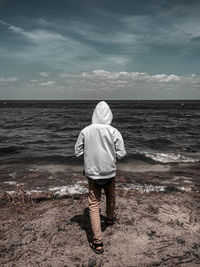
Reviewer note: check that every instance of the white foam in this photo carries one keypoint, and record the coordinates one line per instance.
(10, 182)
(33, 170)
(80, 188)
(150, 188)
(77, 188)
(143, 188)
(33, 191)
(169, 157)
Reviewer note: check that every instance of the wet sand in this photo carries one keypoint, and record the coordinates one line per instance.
(69, 179)
(52, 228)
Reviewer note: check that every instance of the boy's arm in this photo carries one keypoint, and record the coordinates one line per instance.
(79, 146)
(119, 145)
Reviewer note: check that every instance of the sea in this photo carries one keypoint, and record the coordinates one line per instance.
(46, 131)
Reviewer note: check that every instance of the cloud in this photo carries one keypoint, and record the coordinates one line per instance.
(104, 84)
(125, 76)
(43, 74)
(117, 41)
(48, 48)
(48, 83)
(8, 79)
(36, 36)
(195, 39)
(155, 44)
(124, 85)
(137, 33)
(165, 78)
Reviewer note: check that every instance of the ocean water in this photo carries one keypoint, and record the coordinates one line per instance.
(46, 131)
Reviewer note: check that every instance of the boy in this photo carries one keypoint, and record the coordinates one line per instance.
(101, 144)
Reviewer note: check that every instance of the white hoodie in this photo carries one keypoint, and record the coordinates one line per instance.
(101, 144)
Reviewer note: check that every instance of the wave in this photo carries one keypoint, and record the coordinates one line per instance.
(153, 158)
(150, 158)
(169, 157)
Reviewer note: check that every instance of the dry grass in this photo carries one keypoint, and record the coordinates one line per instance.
(20, 196)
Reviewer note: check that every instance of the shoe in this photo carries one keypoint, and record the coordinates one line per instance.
(94, 247)
(110, 221)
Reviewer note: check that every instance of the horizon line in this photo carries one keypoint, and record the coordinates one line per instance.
(4, 100)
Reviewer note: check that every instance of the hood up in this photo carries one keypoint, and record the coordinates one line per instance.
(102, 114)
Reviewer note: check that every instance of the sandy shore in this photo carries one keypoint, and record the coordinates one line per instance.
(153, 229)
(44, 222)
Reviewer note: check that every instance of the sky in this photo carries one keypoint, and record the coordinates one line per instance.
(91, 49)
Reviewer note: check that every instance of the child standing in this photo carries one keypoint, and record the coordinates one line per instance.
(101, 144)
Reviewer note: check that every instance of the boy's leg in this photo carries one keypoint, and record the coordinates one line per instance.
(94, 202)
(110, 199)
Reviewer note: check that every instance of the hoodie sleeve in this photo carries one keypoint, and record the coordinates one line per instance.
(119, 145)
(79, 146)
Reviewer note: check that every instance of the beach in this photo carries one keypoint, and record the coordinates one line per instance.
(152, 229)
(158, 221)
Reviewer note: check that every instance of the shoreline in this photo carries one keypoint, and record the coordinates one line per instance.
(68, 179)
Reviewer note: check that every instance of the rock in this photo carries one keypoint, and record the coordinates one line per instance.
(34, 238)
